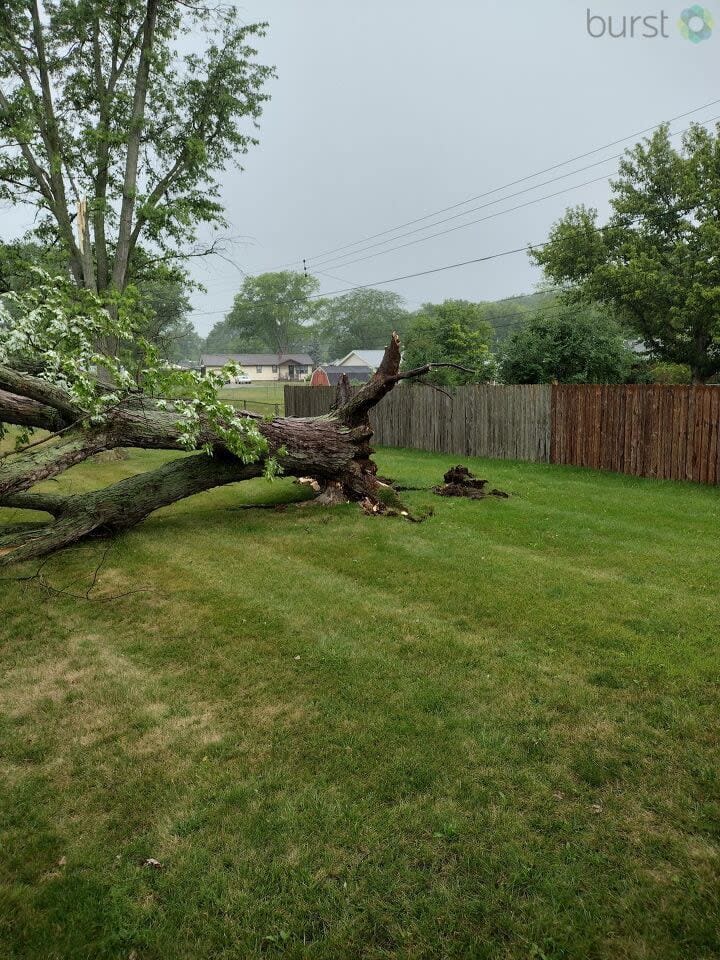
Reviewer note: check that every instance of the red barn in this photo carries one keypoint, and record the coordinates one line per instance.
(319, 378)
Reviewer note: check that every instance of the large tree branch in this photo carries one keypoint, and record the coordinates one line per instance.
(355, 410)
(56, 157)
(28, 413)
(52, 503)
(21, 471)
(334, 449)
(118, 65)
(156, 195)
(121, 506)
(39, 174)
(137, 122)
(104, 93)
(42, 391)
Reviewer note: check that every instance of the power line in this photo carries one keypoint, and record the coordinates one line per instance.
(465, 213)
(470, 223)
(506, 186)
(378, 283)
(499, 213)
(348, 262)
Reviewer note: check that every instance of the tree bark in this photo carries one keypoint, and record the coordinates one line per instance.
(333, 449)
(137, 122)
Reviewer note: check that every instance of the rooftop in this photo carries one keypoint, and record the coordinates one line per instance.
(371, 358)
(255, 359)
(334, 372)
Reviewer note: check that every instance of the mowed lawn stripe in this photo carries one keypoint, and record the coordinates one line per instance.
(488, 735)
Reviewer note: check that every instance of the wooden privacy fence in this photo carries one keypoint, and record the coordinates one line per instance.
(671, 432)
(649, 431)
(477, 421)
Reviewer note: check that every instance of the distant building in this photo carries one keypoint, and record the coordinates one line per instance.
(185, 365)
(362, 358)
(319, 378)
(354, 374)
(262, 366)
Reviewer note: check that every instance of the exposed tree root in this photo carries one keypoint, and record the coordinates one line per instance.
(460, 482)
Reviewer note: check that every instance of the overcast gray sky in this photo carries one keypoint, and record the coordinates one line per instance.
(387, 110)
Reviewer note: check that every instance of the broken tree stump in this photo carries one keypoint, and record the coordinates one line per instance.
(460, 482)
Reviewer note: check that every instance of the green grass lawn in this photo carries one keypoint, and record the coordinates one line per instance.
(490, 735)
(260, 397)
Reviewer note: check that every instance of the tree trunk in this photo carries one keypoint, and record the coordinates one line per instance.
(333, 449)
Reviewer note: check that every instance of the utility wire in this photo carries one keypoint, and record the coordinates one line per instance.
(378, 283)
(345, 262)
(457, 216)
(348, 262)
(506, 186)
(470, 223)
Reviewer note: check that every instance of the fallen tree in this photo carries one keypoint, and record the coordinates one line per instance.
(122, 162)
(333, 449)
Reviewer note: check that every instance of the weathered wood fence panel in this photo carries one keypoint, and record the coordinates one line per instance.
(507, 422)
(669, 432)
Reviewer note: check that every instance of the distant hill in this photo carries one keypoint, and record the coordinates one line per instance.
(508, 314)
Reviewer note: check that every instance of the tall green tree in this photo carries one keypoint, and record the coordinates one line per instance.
(575, 345)
(168, 326)
(222, 338)
(451, 332)
(274, 311)
(98, 104)
(655, 262)
(361, 319)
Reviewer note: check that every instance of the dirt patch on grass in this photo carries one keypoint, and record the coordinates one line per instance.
(278, 713)
(27, 687)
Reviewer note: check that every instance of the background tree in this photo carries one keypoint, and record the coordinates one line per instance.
(168, 326)
(164, 318)
(223, 338)
(669, 373)
(361, 319)
(575, 345)
(96, 102)
(656, 261)
(451, 332)
(273, 311)
(507, 315)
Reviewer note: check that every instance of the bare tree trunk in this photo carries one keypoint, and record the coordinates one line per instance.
(333, 449)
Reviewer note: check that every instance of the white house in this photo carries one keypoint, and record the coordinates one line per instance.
(262, 366)
(362, 358)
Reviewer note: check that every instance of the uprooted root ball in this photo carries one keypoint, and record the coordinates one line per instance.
(460, 482)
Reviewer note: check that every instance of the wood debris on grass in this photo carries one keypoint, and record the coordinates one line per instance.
(460, 482)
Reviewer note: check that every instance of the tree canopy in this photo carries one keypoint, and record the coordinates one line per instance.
(571, 345)
(655, 262)
(272, 311)
(168, 326)
(361, 319)
(113, 135)
(223, 339)
(451, 332)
